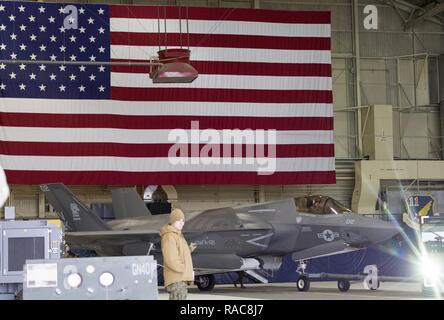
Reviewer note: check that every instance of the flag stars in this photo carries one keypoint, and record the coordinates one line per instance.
(51, 19)
(22, 27)
(42, 48)
(90, 20)
(2, 66)
(82, 68)
(2, 8)
(42, 9)
(82, 88)
(22, 47)
(82, 49)
(62, 10)
(53, 38)
(62, 29)
(92, 77)
(73, 57)
(33, 37)
(11, 18)
(100, 11)
(2, 27)
(12, 75)
(101, 30)
(102, 49)
(62, 49)
(92, 39)
(101, 69)
(22, 87)
(62, 68)
(53, 57)
(31, 18)
(62, 88)
(2, 46)
(101, 89)
(81, 10)
(92, 58)
(71, 20)
(13, 36)
(32, 76)
(42, 67)
(42, 28)
(13, 56)
(2, 86)
(72, 38)
(22, 66)
(52, 76)
(72, 77)
(42, 87)
(82, 30)
(33, 57)
(22, 8)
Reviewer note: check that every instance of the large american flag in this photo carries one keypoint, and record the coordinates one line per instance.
(86, 121)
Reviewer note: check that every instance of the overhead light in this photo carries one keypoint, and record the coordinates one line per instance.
(175, 68)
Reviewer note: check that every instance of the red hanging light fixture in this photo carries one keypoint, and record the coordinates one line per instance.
(175, 64)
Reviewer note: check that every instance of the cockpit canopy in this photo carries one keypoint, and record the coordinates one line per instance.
(320, 205)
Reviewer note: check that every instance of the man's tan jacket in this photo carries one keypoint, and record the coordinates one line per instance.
(177, 263)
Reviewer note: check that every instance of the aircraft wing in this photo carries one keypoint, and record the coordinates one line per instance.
(327, 249)
(128, 242)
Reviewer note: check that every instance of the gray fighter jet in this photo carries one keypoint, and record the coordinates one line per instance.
(244, 238)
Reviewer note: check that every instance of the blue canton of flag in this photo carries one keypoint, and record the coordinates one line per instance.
(31, 31)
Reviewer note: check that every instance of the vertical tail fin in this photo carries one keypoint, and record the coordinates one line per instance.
(75, 215)
(127, 203)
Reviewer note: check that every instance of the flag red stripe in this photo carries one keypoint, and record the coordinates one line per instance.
(51, 120)
(143, 150)
(228, 14)
(222, 95)
(241, 68)
(166, 178)
(220, 41)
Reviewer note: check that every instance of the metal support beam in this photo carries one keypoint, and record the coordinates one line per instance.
(94, 63)
(357, 53)
(410, 8)
(429, 13)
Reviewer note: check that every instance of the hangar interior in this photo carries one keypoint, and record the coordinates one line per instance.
(387, 114)
(388, 103)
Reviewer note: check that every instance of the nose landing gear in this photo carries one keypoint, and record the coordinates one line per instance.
(303, 281)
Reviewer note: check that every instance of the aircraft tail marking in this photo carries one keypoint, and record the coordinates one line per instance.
(75, 215)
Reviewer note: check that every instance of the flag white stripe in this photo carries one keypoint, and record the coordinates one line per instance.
(221, 27)
(228, 54)
(156, 108)
(162, 164)
(213, 81)
(37, 134)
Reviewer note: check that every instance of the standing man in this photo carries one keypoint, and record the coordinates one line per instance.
(177, 264)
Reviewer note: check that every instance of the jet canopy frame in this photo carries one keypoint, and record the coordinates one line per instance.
(321, 205)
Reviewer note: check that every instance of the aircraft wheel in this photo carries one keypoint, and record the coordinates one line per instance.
(377, 285)
(343, 285)
(303, 283)
(205, 283)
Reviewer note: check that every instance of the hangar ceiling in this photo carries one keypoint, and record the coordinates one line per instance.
(413, 12)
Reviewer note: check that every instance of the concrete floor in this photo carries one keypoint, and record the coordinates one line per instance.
(318, 291)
